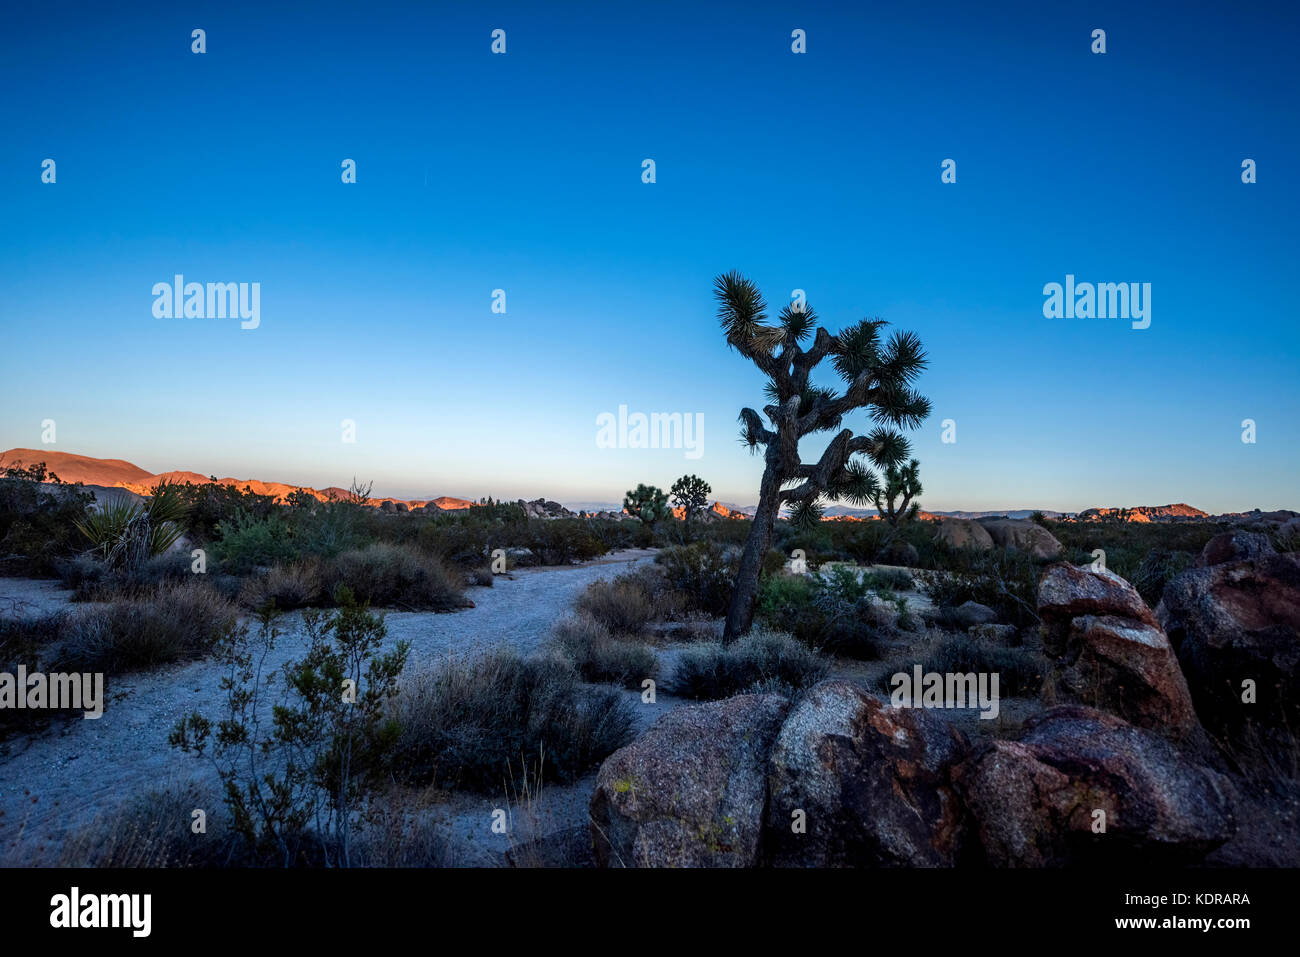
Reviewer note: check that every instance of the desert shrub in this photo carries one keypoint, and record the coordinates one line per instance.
(706, 571)
(38, 519)
(834, 612)
(623, 605)
(30, 640)
(480, 577)
(602, 656)
(92, 580)
(1156, 570)
(1128, 544)
(1020, 671)
(460, 541)
(561, 541)
(81, 573)
(24, 637)
(1004, 580)
(325, 529)
(817, 541)
(781, 593)
(400, 832)
(773, 562)
(614, 535)
(396, 576)
(894, 579)
(150, 830)
(299, 585)
(1287, 538)
(713, 670)
(173, 622)
(169, 567)
(247, 542)
(209, 505)
(497, 718)
(731, 531)
(860, 542)
(294, 789)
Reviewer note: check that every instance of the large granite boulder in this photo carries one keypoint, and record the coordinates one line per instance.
(691, 791)
(1234, 546)
(1236, 624)
(854, 781)
(1082, 787)
(963, 533)
(1022, 535)
(1110, 652)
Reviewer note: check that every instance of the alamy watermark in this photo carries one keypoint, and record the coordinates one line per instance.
(658, 430)
(38, 691)
(74, 909)
(179, 299)
(1103, 300)
(933, 689)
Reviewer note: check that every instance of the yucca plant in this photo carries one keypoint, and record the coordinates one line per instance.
(125, 534)
(878, 377)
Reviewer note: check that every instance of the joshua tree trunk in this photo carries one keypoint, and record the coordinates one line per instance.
(740, 614)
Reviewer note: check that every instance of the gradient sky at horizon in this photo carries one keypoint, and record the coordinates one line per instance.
(523, 172)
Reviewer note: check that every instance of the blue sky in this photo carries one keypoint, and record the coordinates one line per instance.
(522, 172)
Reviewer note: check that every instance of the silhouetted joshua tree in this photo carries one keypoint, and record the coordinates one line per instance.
(900, 482)
(878, 377)
(690, 494)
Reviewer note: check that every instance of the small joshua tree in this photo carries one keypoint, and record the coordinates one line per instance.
(900, 482)
(878, 378)
(690, 494)
(647, 503)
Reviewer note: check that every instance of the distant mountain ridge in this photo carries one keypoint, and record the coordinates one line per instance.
(117, 473)
(1143, 513)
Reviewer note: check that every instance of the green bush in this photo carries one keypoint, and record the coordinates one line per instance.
(499, 719)
(780, 594)
(209, 505)
(834, 612)
(325, 529)
(712, 670)
(296, 788)
(39, 515)
(467, 540)
(248, 542)
(561, 541)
